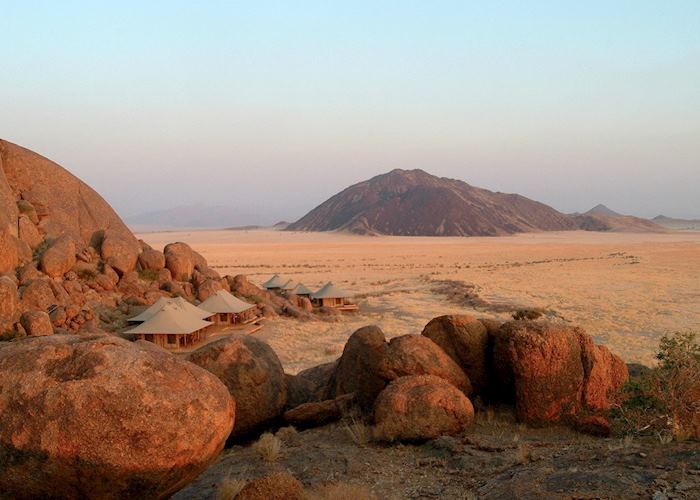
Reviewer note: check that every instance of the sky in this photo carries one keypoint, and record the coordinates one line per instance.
(272, 107)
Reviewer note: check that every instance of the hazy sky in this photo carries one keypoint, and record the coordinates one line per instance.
(274, 106)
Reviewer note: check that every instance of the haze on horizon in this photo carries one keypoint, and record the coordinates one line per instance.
(271, 108)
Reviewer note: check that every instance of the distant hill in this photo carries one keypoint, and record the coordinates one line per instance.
(415, 203)
(677, 224)
(192, 216)
(601, 209)
(617, 224)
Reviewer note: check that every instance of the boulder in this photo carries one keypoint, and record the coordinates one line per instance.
(36, 323)
(8, 252)
(253, 374)
(319, 412)
(179, 259)
(152, 259)
(29, 272)
(359, 367)
(207, 289)
(37, 295)
(96, 416)
(119, 252)
(9, 302)
(421, 407)
(465, 339)
(418, 355)
(555, 372)
(28, 232)
(59, 257)
(320, 378)
(275, 486)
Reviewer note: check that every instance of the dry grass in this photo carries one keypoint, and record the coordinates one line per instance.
(287, 433)
(340, 491)
(523, 453)
(229, 488)
(269, 447)
(359, 432)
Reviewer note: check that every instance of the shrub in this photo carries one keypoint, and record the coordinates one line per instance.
(87, 274)
(528, 314)
(149, 274)
(358, 431)
(39, 251)
(268, 447)
(665, 401)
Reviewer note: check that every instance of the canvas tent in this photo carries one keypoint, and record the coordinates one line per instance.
(162, 302)
(172, 327)
(301, 290)
(225, 308)
(332, 296)
(275, 283)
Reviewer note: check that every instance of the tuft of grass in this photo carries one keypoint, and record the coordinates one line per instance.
(359, 432)
(269, 447)
(287, 433)
(533, 313)
(340, 491)
(229, 488)
(87, 274)
(523, 454)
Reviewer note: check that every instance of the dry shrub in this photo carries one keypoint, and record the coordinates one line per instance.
(667, 399)
(268, 447)
(340, 491)
(229, 488)
(287, 433)
(359, 432)
(523, 454)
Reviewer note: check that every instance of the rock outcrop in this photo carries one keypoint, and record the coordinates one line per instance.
(253, 374)
(101, 417)
(421, 407)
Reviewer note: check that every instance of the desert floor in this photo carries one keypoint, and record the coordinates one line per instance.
(627, 290)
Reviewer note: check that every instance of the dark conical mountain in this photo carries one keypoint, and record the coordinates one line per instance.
(415, 203)
(601, 209)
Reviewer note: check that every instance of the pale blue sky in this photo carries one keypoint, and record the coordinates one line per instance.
(277, 105)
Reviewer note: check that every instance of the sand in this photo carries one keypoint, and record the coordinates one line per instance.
(627, 290)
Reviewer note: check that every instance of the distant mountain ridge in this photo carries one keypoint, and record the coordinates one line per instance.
(416, 203)
(677, 224)
(193, 216)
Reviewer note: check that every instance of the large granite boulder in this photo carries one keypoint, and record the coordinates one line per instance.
(120, 253)
(36, 323)
(96, 416)
(152, 259)
(180, 260)
(554, 372)
(418, 355)
(59, 258)
(253, 374)
(359, 367)
(9, 301)
(465, 339)
(421, 407)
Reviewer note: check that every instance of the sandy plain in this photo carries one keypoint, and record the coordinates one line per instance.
(627, 290)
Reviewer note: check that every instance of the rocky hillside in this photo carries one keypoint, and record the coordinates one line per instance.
(68, 263)
(413, 203)
(677, 224)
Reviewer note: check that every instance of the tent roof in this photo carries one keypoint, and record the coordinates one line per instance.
(276, 281)
(171, 319)
(330, 291)
(301, 289)
(289, 285)
(223, 302)
(162, 302)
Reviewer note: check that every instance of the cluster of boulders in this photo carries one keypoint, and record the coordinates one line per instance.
(65, 253)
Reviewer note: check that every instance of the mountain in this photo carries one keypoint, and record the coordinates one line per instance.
(415, 203)
(191, 216)
(601, 209)
(677, 224)
(616, 223)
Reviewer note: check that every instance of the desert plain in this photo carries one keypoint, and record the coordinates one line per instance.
(626, 290)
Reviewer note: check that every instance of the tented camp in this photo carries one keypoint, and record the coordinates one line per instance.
(275, 283)
(172, 327)
(225, 308)
(162, 302)
(288, 286)
(332, 296)
(301, 290)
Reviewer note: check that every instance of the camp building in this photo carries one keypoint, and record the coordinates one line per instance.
(225, 308)
(172, 327)
(332, 296)
(162, 302)
(275, 283)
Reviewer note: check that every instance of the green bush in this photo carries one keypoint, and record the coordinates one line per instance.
(149, 274)
(666, 400)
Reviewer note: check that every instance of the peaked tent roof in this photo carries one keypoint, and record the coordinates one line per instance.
(330, 291)
(223, 302)
(162, 302)
(276, 281)
(171, 319)
(289, 285)
(301, 289)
